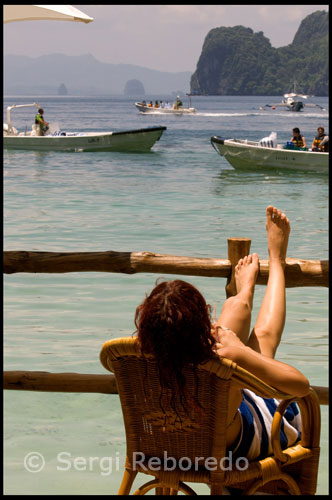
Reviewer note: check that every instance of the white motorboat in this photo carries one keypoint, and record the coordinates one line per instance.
(294, 101)
(251, 155)
(176, 108)
(171, 110)
(139, 140)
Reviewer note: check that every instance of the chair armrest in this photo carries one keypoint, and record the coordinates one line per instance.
(310, 424)
(276, 426)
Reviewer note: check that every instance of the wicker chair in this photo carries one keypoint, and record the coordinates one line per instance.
(152, 432)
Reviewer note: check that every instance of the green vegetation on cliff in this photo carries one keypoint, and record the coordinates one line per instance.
(237, 61)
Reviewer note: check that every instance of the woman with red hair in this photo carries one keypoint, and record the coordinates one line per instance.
(174, 324)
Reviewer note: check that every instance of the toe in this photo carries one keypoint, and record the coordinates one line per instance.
(269, 211)
(255, 257)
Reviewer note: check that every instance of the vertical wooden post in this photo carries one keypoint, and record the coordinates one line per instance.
(237, 248)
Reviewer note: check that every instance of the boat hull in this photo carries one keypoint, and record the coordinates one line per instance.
(140, 140)
(248, 155)
(166, 111)
(296, 106)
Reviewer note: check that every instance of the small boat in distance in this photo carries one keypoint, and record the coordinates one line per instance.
(294, 101)
(136, 141)
(171, 111)
(250, 155)
(174, 109)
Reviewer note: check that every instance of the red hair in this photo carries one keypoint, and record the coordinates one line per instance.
(173, 323)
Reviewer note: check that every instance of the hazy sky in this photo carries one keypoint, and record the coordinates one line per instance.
(162, 37)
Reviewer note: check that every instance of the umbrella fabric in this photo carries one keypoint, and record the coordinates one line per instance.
(13, 13)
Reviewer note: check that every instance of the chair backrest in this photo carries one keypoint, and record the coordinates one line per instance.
(153, 427)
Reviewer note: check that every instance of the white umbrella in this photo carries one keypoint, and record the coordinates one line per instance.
(13, 13)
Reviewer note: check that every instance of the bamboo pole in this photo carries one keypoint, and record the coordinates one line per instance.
(298, 272)
(83, 382)
(59, 382)
(110, 261)
(237, 248)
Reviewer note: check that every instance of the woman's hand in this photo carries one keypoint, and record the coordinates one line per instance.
(225, 338)
(284, 377)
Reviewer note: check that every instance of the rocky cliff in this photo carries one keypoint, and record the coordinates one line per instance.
(237, 61)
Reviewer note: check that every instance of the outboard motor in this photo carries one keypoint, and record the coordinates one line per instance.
(270, 141)
(9, 130)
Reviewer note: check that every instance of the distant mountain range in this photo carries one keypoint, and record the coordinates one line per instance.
(84, 75)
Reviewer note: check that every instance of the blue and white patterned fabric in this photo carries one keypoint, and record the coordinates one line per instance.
(254, 441)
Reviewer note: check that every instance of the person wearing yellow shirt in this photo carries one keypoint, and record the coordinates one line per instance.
(321, 141)
(298, 140)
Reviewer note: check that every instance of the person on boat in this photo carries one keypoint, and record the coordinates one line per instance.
(298, 140)
(167, 105)
(161, 104)
(143, 103)
(174, 324)
(150, 105)
(321, 141)
(156, 104)
(42, 124)
(178, 103)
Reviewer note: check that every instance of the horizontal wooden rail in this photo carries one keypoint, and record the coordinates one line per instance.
(59, 382)
(83, 382)
(298, 272)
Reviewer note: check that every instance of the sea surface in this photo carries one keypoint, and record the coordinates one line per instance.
(181, 198)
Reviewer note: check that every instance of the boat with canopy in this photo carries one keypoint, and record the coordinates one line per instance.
(54, 139)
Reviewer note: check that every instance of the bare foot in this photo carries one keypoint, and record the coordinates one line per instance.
(278, 229)
(246, 272)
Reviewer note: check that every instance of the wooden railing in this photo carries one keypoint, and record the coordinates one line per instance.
(298, 273)
(83, 382)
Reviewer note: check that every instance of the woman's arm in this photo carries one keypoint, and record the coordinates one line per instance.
(279, 375)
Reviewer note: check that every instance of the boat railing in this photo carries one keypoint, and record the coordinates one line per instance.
(298, 273)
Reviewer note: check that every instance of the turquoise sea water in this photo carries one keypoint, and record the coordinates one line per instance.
(182, 198)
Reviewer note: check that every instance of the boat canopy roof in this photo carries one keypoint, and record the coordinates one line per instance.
(292, 94)
(9, 108)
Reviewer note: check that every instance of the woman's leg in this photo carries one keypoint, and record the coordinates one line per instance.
(236, 315)
(236, 311)
(265, 336)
